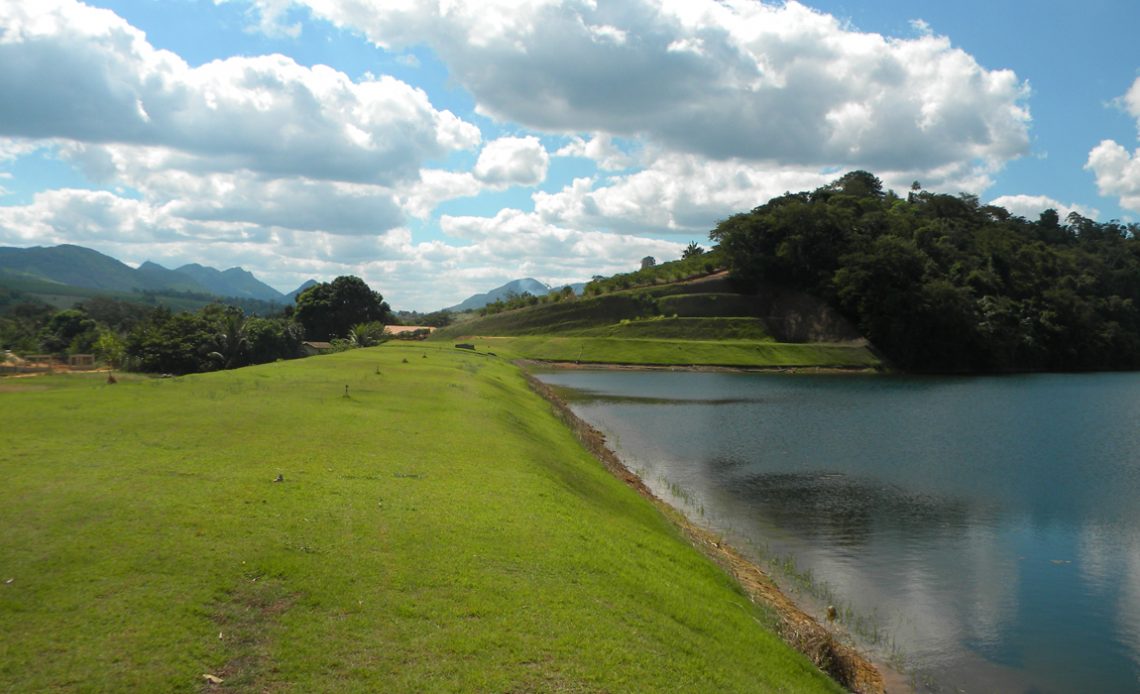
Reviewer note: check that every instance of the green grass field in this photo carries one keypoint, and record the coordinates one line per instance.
(437, 529)
(665, 352)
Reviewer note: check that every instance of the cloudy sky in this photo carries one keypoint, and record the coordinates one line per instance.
(439, 148)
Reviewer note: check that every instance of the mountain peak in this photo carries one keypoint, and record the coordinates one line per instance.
(84, 267)
(526, 285)
(292, 296)
(232, 282)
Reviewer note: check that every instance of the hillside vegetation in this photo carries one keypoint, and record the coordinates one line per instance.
(944, 283)
(649, 317)
(69, 265)
(64, 296)
(435, 528)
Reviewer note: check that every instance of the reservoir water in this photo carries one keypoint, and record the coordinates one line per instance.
(984, 533)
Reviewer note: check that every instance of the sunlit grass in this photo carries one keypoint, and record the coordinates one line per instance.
(435, 529)
(686, 328)
(741, 353)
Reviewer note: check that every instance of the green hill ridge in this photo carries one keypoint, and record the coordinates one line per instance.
(700, 321)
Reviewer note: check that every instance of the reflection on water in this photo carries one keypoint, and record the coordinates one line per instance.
(991, 526)
(843, 511)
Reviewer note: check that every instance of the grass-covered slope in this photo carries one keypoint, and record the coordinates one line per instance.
(435, 530)
(698, 322)
(679, 352)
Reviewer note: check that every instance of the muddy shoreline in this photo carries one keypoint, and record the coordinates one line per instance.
(847, 666)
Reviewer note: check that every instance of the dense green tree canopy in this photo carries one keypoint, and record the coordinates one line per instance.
(178, 343)
(147, 339)
(215, 337)
(71, 330)
(942, 283)
(330, 309)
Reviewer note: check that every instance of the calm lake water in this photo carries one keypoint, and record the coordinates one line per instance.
(985, 531)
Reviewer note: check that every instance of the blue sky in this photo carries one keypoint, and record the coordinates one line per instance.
(440, 149)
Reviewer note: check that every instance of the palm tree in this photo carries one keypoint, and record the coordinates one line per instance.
(367, 334)
(230, 343)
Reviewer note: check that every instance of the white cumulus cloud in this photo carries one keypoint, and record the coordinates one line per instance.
(674, 194)
(1031, 206)
(1117, 172)
(601, 149)
(1116, 169)
(75, 73)
(686, 194)
(513, 161)
(689, 110)
(721, 79)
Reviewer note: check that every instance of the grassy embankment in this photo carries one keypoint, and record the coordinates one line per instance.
(681, 324)
(674, 352)
(436, 530)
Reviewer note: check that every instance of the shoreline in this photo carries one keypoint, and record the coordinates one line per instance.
(843, 663)
(697, 368)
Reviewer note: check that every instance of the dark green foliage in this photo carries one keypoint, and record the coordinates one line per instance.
(509, 303)
(438, 319)
(514, 300)
(21, 324)
(9, 296)
(708, 305)
(217, 337)
(229, 345)
(32, 327)
(154, 340)
(943, 283)
(367, 334)
(435, 319)
(271, 339)
(69, 331)
(171, 343)
(120, 316)
(329, 310)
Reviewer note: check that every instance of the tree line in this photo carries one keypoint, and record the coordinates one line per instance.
(944, 283)
(694, 262)
(515, 300)
(345, 312)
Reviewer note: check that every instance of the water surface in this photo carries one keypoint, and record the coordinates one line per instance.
(984, 530)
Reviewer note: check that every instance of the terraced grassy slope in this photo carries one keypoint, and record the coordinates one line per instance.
(435, 529)
(696, 323)
(679, 328)
(727, 353)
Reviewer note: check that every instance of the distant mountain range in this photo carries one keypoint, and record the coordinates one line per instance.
(77, 266)
(527, 285)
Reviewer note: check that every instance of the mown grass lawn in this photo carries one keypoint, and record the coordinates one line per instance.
(435, 530)
(678, 352)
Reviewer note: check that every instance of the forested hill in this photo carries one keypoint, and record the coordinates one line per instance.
(943, 283)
